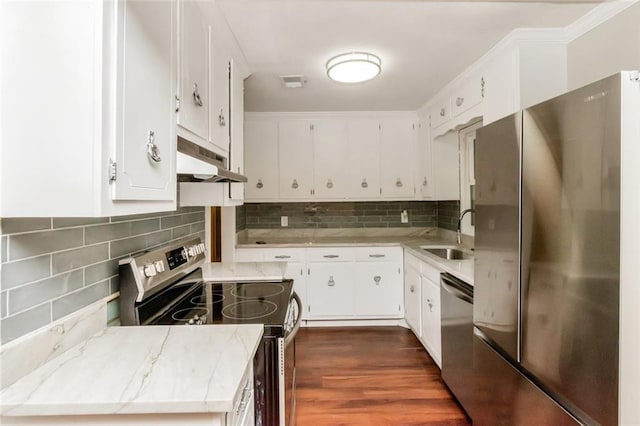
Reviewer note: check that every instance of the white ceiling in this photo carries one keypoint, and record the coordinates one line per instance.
(422, 44)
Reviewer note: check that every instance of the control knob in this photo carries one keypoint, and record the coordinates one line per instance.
(159, 265)
(149, 270)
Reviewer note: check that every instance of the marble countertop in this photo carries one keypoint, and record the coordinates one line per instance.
(412, 240)
(249, 271)
(152, 369)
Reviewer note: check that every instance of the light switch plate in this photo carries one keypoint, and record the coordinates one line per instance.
(404, 216)
(284, 221)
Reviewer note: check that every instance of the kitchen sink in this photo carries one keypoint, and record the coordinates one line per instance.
(449, 253)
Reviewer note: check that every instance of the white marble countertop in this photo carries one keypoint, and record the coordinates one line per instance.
(462, 269)
(248, 271)
(149, 369)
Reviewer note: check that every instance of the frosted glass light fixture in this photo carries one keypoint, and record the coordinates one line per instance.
(353, 67)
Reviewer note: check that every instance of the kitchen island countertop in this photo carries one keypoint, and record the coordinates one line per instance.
(134, 370)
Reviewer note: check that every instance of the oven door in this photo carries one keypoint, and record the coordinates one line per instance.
(287, 363)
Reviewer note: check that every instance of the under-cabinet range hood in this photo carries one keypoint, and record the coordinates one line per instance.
(202, 165)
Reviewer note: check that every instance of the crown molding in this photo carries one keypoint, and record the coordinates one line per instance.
(595, 17)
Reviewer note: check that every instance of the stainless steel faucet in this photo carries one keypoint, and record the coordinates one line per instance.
(458, 234)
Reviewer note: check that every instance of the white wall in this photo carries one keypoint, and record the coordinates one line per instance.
(608, 48)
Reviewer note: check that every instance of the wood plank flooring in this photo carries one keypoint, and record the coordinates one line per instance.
(369, 376)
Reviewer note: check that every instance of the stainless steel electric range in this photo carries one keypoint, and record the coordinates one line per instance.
(165, 286)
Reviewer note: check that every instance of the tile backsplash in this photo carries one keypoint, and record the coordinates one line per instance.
(52, 267)
(382, 214)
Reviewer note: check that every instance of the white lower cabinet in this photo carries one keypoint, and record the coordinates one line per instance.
(330, 289)
(431, 319)
(340, 283)
(412, 292)
(378, 289)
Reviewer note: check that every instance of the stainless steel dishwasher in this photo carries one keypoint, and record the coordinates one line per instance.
(456, 298)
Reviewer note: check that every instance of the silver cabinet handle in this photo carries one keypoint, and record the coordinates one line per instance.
(152, 149)
(282, 256)
(259, 185)
(377, 279)
(377, 255)
(196, 95)
(399, 183)
(459, 101)
(364, 183)
(482, 87)
(331, 282)
(177, 103)
(331, 256)
(442, 112)
(424, 182)
(329, 184)
(294, 184)
(412, 289)
(430, 304)
(221, 121)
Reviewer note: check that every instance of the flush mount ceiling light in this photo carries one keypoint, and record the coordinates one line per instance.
(353, 67)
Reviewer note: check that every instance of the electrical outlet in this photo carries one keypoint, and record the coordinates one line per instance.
(404, 216)
(284, 221)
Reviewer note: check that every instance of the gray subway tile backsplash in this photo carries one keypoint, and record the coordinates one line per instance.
(14, 225)
(49, 273)
(33, 294)
(79, 299)
(76, 258)
(36, 243)
(18, 325)
(25, 271)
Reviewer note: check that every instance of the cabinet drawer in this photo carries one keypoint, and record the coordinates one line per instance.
(411, 261)
(431, 272)
(378, 254)
(336, 254)
(249, 255)
(467, 96)
(440, 112)
(284, 255)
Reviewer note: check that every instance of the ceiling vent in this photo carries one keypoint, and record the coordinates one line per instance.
(293, 81)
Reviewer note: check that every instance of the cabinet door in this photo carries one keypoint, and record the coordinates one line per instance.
(330, 290)
(330, 158)
(431, 319)
(423, 177)
(397, 158)
(296, 159)
(261, 160)
(145, 138)
(193, 87)
(379, 289)
(446, 167)
(363, 159)
(220, 69)
(236, 155)
(501, 89)
(467, 95)
(412, 300)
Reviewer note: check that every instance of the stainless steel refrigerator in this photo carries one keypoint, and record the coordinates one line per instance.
(547, 260)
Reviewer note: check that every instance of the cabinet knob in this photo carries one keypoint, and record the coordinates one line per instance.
(459, 101)
(259, 185)
(442, 112)
(377, 279)
(177, 103)
(412, 289)
(329, 184)
(221, 121)
(294, 184)
(196, 95)
(399, 183)
(424, 181)
(152, 149)
(364, 183)
(331, 282)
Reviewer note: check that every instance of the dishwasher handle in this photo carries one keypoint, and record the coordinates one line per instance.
(456, 287)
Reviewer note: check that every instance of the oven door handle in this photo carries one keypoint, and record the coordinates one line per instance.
(292, 334)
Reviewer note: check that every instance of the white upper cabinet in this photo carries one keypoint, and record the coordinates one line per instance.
(423, 168)
(261, 160)
(363, 159)
(193, 80)
(296, 159)
(397, 144)
(236, 155)
(330, 158)
(220, 76)
(99, 125)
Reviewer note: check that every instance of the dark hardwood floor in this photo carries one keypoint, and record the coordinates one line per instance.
(369, 376)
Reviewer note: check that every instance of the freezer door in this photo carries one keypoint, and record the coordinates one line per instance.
(571, 248)
(496, 291)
